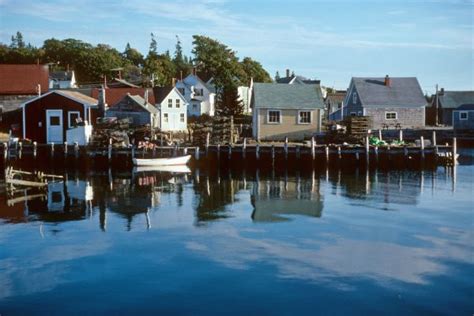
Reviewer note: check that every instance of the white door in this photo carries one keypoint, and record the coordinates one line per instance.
(54, 126)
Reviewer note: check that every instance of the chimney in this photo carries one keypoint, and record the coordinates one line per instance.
(181, 75)
(146, 96)
(441, 92)
(38, 89)
(194, 70)
(101, 102)
(388, 81)
(288, 73)
(173, 82)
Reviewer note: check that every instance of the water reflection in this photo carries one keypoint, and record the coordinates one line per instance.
(273, 196)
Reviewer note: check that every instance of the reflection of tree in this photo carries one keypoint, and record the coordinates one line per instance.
(213, 196)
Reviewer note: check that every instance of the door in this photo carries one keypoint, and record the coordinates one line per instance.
(54, 126)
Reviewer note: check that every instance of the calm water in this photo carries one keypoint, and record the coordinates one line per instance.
(220, 242)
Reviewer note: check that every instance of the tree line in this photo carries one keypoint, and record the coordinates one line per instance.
(91, 63)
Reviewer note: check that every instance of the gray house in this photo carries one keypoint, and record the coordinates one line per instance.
(447, 102)
(286, 110)
(391, 102)
(463, 117)
(136, 108)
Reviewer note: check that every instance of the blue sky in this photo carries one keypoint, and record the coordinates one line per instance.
(327, 40)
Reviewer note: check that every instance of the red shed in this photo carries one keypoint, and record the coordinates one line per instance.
(47, 118)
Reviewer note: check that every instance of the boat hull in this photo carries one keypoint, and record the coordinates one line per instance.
(174, 161)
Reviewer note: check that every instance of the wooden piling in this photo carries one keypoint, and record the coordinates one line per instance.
(339, 152)
(109, 152)
(257, 152)
(229, 151)
(244, 147)
(218, 150)
(455, 151)
(196, 153)
(76, 149)
(273, 154)
(65, 149)
(286, 147)
(367, 149)
(35, 149)
(298, 151)
(327, 153)
(400, 135)
(380, 134)
(422, 149)
(52, 149)
(313, 148)
(433, 139)
(208, 137)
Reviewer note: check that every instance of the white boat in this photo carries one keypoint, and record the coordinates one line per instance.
(172, 169)
(173, 161)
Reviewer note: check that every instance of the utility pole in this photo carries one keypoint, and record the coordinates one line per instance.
(436, 106)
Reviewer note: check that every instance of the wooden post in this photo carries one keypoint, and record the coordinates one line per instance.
(196, 153)
(380, 134)
(400, 135)
(109, 154)
(357, 153)
(244, 147)
(35, 148)
(286, 147)
(6, 150)
(185, 151)
(376, 151)
(257, 152)
(208, 138)
(231, 140)
(52, 149)
(327, 153)
(298, 151)
(367, 149)
(422, 144)
(229, 152)
(455, 151)
(175, 150)
(76, 149)
(65, 149)
(313, 148)
(339, 152)
(133, 151)
(273, 154)
(433, 139)
(20, 149)
(218, 150)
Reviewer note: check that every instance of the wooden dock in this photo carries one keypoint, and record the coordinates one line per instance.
(441, 154)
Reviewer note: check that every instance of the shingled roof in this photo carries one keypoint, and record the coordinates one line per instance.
(453, 99)
(138, 100)
(114, 95)
(23, 79)
(287, 96)
(402, 92)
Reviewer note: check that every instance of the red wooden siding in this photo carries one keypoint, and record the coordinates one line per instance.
(35, 112)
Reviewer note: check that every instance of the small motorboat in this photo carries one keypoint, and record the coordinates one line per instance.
(172, 161)
(171, 169)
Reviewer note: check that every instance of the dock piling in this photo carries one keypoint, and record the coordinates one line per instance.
(455, 151)
(422, 149)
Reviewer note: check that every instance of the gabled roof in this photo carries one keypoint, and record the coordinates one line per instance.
(453, 99)
(121, 83)
(73, 95)
(61, 75)
(23, 79)
(162, 92)
(287, 96)
(138, 100)
(112, 96)
(297, 79)
(402, 92)
(466, 107)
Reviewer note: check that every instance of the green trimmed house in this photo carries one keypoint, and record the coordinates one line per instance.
(283, 110)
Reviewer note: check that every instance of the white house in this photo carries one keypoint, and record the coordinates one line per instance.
(199, 96)
(172, 107)
(62, 80)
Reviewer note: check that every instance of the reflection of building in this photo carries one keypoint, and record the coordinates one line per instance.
(273, 199)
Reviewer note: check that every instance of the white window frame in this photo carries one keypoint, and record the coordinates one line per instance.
(310, 117)
(182, 117)
(69, 122)
(391, 119)
(461, 113)
(170, 103)
(354, 97)
(178, 103)
(166, 118)
(279, 117)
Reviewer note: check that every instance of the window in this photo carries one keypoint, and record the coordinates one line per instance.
(353, 114)
(54, 121)
(165, 117)
(177, 104)
(354, 97)
(181, 117)
(390, 115)
(170, 103)
(463, 115)
(274, 117)
(304, 117)
(199, 92)
(181, 90)
(74, 117)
